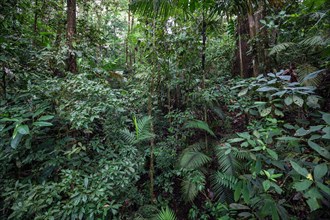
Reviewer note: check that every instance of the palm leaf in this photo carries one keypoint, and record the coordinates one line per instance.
(228, 163)
(280, 47)
(191, 185)
(166, 214)
(193, 160)
(199, 125)
(221, 183)
(142, 131)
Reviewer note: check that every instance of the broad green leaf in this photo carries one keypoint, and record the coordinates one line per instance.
(288, 138)
(279, 113)
(266, 185)
(14, 142)
(313, 204)
(9, 119)
(315, 128)
(302, 171)
(266, 89)
(302, 185)
(326, 118)
(280, 93)
(322, 151)
(272, 153)
(288, 100)
(301, 132)
(312, 101)
(42, 124)
(264, 112)
(238, 206)
(238, 189)
(298, 101)
(46, 118)
(246, 194)
(243, 92)
(323, 187)
(313, 193)
(320, 171)
(326, 130)
(23, 129)
(234, 140)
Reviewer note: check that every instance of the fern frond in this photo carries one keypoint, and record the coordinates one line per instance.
(199, 125)
(193, 160)
(280, 47)
(166, 214)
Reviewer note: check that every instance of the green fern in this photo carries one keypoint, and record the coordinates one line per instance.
(199, 125)
(166, 214)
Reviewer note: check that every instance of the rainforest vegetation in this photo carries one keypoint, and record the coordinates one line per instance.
(164, 109)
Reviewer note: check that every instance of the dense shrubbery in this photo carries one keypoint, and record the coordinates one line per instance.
(176, 136)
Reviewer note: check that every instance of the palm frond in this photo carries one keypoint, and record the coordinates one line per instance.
(192, 184)
(314, 41)
(166, 214)
(199, 125)
(310, 76)
(128, 137)
(280, 47)
(142, 131)
(148, 8)
(221, 183)
(228, 162)
(193, 160)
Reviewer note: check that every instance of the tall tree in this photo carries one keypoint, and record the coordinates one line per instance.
(71, 31)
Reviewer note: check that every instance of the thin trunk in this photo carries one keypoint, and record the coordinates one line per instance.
(71, 31)
(240, 52)
(203, 65)
(150, 101)
(126, 43)
(252, 31)
(35, 24)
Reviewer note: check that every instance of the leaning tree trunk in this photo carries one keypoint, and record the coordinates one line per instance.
(71, 31)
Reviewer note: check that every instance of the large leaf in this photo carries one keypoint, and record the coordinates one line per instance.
(23, 129)
(320, 171)
(298, 101)
(199, 125)
(299, 169)
(303, 185)
(15, 141)
(193, 159)
(322, 151)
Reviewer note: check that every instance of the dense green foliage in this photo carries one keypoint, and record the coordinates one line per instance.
(156, 123)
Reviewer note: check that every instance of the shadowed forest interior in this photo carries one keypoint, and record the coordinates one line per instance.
(164, 109)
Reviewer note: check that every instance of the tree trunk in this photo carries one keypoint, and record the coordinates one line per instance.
(71, 31)
(243, 62)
